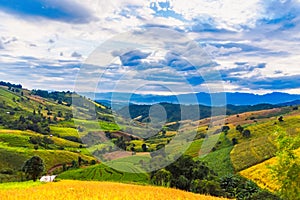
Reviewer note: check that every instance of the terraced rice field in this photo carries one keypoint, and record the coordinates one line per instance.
(70, 190)
(102, 172)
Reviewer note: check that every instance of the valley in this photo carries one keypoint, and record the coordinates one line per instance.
(79, 139)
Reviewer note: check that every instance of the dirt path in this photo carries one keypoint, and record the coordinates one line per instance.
(52, 169)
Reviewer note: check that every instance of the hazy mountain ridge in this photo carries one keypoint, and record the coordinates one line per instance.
(219, 99)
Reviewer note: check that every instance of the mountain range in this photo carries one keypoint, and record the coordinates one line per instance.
(215, 99)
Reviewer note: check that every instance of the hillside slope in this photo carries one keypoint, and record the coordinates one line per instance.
(261, 175)
(33, 125)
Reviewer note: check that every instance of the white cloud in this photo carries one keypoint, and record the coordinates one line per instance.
(229, 14)
(227, 21)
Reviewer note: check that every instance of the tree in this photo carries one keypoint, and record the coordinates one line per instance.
(46, 140)
(238, 187)
(234, 141)
(265, 195)
(182, 183)
(79, 160)
(144, 147)
(295, 108)
(93, 162)
(33, 167)
(59, 114)
(225, 128)
(239, 128)
(286, 171)
(22, 119)
(35, 140)
(185, 170)
(74, 164)
(163, 132)
(65, 167)
(162, 177)
(120, 142)
(246, 133)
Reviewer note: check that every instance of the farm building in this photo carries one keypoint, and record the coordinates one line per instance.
(47, 178)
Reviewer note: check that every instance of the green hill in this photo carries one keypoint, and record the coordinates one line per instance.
(42, 123)
(33, 125)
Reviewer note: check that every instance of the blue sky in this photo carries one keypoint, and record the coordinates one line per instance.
(252, 46)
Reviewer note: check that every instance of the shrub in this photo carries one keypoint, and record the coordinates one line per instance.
(93, 162)
(7, 171)
(265, 195)
(234, 141)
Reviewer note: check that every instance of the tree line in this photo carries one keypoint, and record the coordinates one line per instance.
(11, 85)
(195, 176)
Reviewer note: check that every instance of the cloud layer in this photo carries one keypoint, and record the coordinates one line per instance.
(254, 45)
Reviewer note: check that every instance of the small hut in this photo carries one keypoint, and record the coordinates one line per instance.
(47, 178)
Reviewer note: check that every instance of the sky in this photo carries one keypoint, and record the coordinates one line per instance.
(151, 47)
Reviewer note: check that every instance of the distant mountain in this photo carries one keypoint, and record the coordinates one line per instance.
(219, 99)
(177, 112)
(291, 103)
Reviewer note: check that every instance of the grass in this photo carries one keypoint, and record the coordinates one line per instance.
(29, 103)
(103, 172)
(14, 157)
(109, 126)
(67, 190)
(219, 161)
(7, 96)
(54, 157)
(15, 140)
(19, 185)
(202, 147)
(134, 159)
(96, 125)
(194, 148)
(64, 131)
(18, 138)
(11, 159)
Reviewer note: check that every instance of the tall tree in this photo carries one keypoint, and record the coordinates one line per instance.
(286, 171)
(33, 167)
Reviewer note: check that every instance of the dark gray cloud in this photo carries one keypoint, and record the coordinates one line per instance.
(278, 72)
(1, 44)
(131, 58)
(241, 68)
(76, 55)
(268, 83)
(204, 24)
